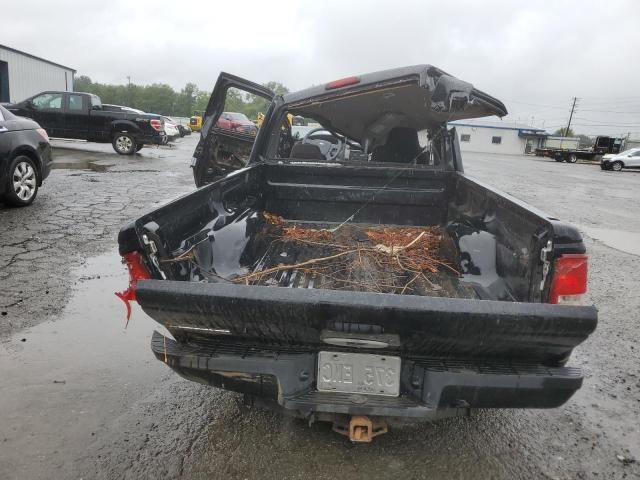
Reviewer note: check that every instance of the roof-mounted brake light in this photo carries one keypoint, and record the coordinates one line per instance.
(343, 82)
(569, 279)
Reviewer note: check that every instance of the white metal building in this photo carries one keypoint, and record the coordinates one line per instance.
(23, 75)
(498, 137)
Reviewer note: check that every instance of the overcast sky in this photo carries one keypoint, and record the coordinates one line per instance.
(535, 57)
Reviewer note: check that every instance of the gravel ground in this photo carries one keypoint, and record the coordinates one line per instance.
(84, 398)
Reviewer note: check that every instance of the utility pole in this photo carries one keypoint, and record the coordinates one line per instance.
(129, 89)
(573, 107)
(566, 130)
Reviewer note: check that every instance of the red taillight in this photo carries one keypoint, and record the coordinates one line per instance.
(43, 133)
(343, 82)
(156, 124)
(137, 271)
(569, 278)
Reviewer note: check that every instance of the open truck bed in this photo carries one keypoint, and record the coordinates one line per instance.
(350, 257)
(469, 321)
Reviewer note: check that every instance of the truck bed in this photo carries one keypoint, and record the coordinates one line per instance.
(365, 269)
(224, 268)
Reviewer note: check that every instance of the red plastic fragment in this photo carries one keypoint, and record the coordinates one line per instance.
(137, 271)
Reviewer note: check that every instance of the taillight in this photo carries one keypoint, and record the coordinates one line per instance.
(569, 278)
(343, 82)
(43, 133)
(137, 271)
(156, 124)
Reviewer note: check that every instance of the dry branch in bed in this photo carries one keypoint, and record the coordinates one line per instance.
(378, 259)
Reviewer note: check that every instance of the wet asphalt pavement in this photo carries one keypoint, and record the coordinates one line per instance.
(81, 397)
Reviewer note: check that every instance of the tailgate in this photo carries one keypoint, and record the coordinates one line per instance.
(435, 327)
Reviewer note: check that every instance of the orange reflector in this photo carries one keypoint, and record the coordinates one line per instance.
(569, 277)
(343, 82)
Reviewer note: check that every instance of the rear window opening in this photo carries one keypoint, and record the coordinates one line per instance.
(386, 126)
(315, 142)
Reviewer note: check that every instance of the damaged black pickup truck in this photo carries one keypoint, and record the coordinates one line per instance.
(357, 275)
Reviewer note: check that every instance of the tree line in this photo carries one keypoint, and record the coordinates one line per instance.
(157, 98)
(162, 99)
(250, 104)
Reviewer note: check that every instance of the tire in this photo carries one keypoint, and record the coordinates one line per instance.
(139, 147)
(616, 166)
(22, 182)
(573, 158)
(124, 144)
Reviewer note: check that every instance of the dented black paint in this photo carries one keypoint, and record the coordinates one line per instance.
(503, 348)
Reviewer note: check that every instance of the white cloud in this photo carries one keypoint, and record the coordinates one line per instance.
(541, 52)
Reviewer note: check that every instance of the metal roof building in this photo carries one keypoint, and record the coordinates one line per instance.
(23, 75)
(498, 136)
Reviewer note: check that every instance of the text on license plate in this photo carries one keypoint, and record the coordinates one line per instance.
(358, 373)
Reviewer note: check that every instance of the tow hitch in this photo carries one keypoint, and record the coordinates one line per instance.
(361, 429)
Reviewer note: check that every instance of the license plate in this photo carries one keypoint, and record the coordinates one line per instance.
(358, 373)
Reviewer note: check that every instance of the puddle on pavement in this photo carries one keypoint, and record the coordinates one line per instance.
(61, 379)
(628, 242)
(82, 165)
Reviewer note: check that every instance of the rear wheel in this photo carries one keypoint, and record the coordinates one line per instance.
(124, 144)
(616, 166)
(22, 182)
(573, 158)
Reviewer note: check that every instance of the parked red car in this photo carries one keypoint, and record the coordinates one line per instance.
(237, 122)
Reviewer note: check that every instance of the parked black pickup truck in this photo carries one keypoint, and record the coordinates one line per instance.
(80, 115)
(276, 280)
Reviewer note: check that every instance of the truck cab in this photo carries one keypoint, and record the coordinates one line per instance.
(62, 114)
(78, 115)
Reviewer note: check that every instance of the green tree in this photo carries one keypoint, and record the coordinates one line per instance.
(585, 141)
(561, 132)
(276, 87)
(163, 99)
(82, 84)
(201, 101)
(186, 100)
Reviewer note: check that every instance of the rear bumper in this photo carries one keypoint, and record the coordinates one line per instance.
(429, 387)
(153, 139)
(46, 159)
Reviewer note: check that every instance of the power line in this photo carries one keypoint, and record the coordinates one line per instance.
(590, 123)
(537, 104)
(559, 107)
(608, 111)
